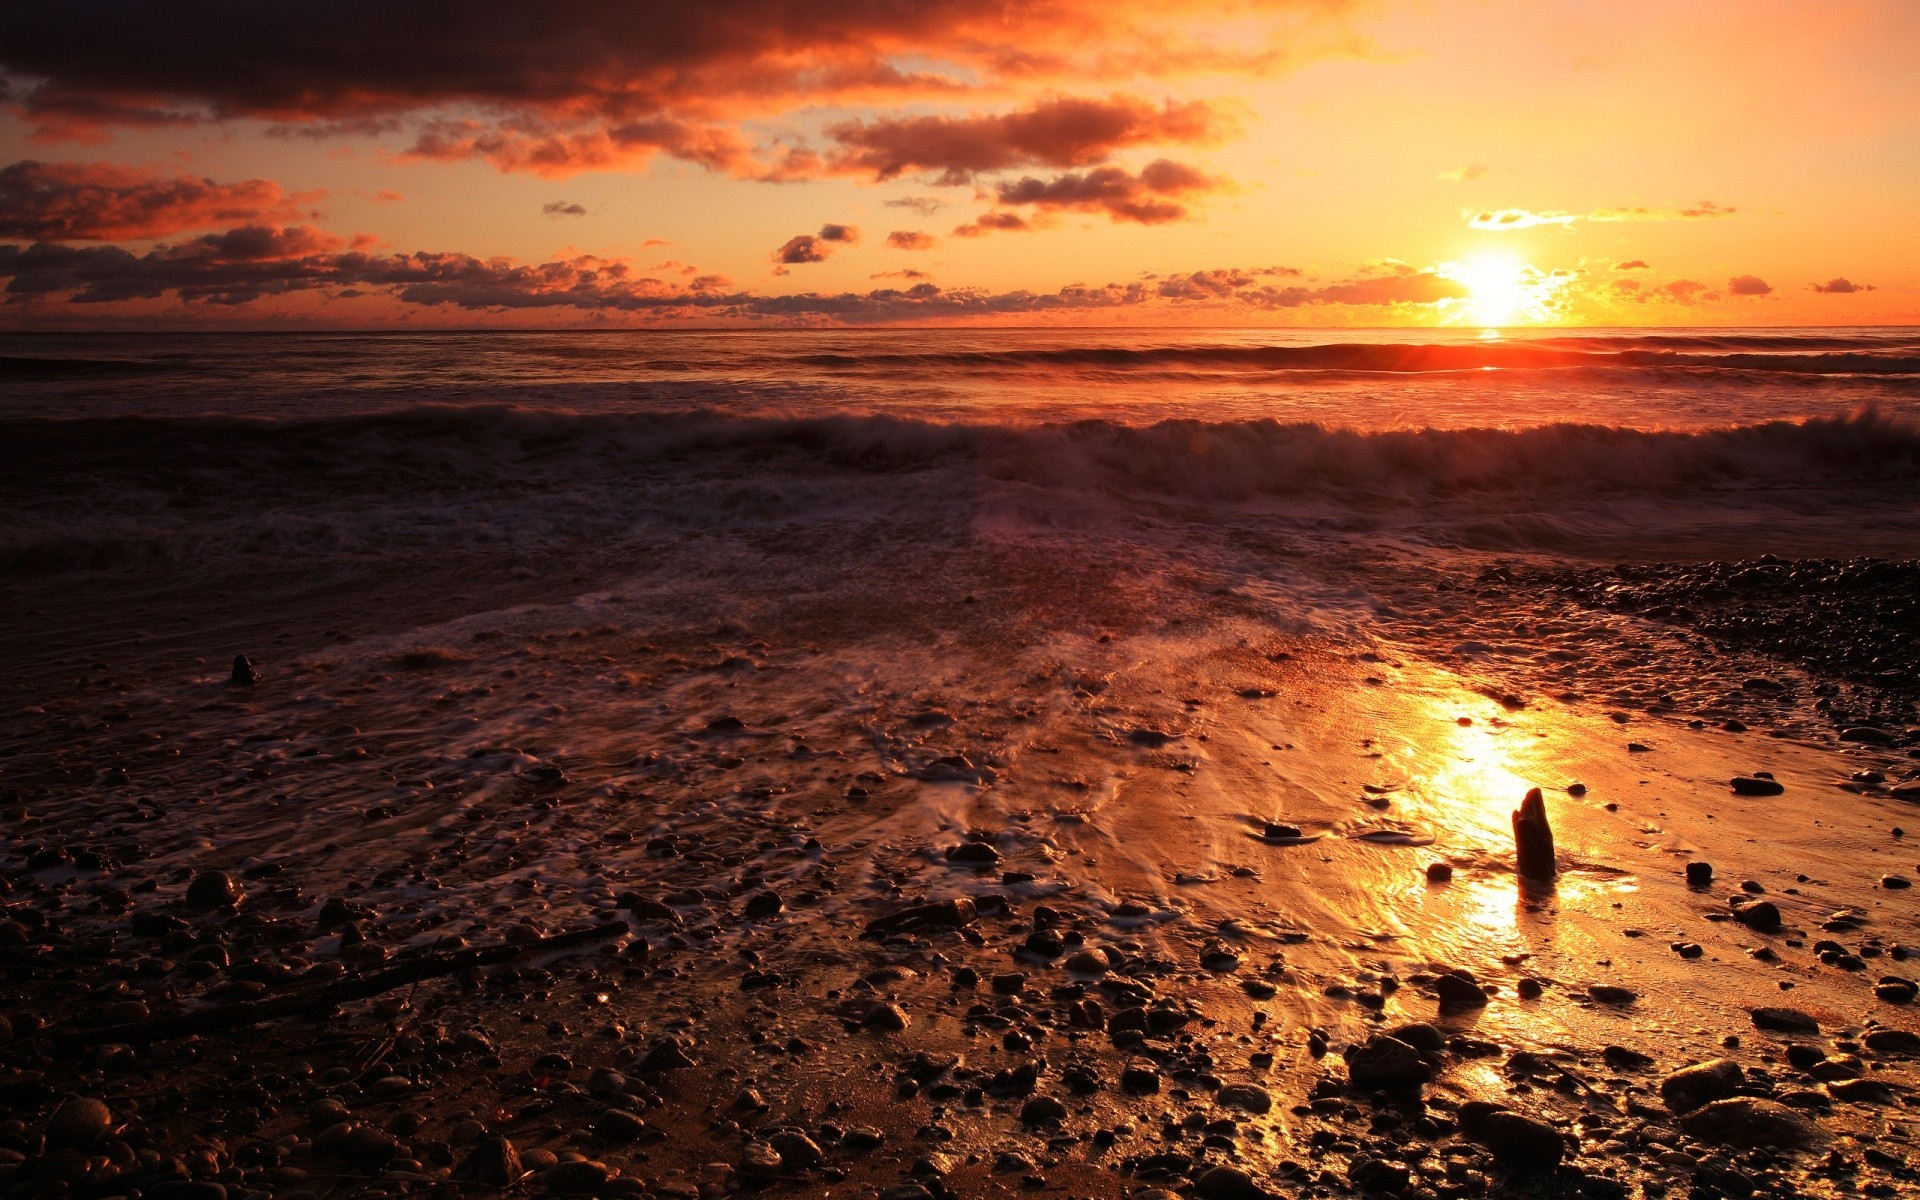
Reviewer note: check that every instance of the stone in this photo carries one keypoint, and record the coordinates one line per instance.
(1785, 1020)
(1458, 995)
(1763, 915)
(1379, 1175)
(667, 1054)
(1533, 839)
(1228, 1183)
(213, 889)
(1702, 1083)
(889, 1018)
(1754, 785)
(957, 913)
(1042, 1110)
(1620, 1058)
(1607, 993)
(78, 1122)
(797, 1151)
(243, 673)
(763, 904)
(1521, 1143)
(1090, 962)
(1386, 1063)
(1246, 1097)
(494, 1163)
(1749, 1121)
(1892, 1041)
(977, 853)
(1439, 872)
(1699, 874)
(618, 1125)
(581, 1177)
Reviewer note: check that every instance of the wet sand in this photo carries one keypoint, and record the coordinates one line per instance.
(1081, 754)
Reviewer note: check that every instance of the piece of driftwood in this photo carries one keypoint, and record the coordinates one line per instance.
(1533, 839)
(322, 998)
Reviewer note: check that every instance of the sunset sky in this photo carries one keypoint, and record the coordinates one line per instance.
(1282, 162)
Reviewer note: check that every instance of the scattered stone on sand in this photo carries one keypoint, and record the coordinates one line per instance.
(1385, 1063)
(1228, 1183)
(973, 852)
(1458, 995)
(1043, 1110)
(1439, 872)
(1763, 915)
(1892, 1041)
(1520, 1143)
(1749, 1121)
(957, 913)
(1699, 874)
(79, 1122)
(1533, 839)
(1245, 1096)
(1785, 1020)
(1612, 994)
(1756, 785)
(1702, 1083)
(213, 889)
(494, 1163)
(243, 675)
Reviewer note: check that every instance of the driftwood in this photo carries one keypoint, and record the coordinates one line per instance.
(322, 998)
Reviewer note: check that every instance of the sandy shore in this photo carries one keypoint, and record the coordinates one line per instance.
(1186, 852)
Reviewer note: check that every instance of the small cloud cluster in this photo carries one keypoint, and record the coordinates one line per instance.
(70, 202)
(564, 208)
(814, 247)
(911, 239)
(1748, 285)
(1841, 287)
(1462, 174)
(1158, 194)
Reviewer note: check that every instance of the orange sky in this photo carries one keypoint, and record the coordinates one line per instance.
(1286, 162)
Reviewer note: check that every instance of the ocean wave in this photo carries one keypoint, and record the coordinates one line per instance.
(1773, 354)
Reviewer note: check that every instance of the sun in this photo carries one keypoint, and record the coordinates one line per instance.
(1497, 288)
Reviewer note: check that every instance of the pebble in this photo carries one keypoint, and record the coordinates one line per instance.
(1457, 994)
(1521, 1143)
(1785, 1020)
(1386, 1063)
(1439, 872)
(494, 1163)
(1228, 1183)
(78, 1122)
(1699, 874)
(1702, 1083)
(1247, 1097)
(1750, 1121)
(1754, 785)
(213, 889)
(1043, 1110)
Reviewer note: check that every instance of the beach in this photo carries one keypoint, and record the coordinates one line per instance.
(960, 763)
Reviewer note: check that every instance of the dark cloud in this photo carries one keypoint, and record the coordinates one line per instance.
(1689, 291)
(1841, 287)
(910, 239)
(564, 208)
(64, 202)
(1748, 285)
(1632, 264)
(570, 83)
(815, 247)
(903, 273)
(252, 263)
(1156, 195)
(1061, 132)
(926, 206)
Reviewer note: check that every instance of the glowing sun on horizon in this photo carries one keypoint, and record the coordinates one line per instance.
(1497, 288)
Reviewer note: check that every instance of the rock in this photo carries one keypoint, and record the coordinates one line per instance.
(1379, 1175)
(1009, 983)
(1280, 831)
(1458, 995)
(976, 853)
(1748, 1121)
(1702, 1083)
(368, 1148)
(1090, 962)
(1754, 785)
(582, 1177)
(243, 674)
(618, 1125)
(1424, 1038)
(1228, 1183)
(1607, 993)
(1892, 1041)
(1699, 874)
(1785, 1020)
(1439, 872)
(1763, 915)
(1246, 1097)
(760, 1159)
(1622, 1059)
(1042, 1110)
(213, 889)
(1217, 957)
(667, 1054)
(79, 1122)
(1862, 1091)
(1533, 839)
(797, 1151)
(1895, 882)
(957, 913)
(1386, 1063)
(763, 905)
(1140, 1081)
(1521, 1143)
(1896, 989)
(888, 1018)
(493, 1163)
(1867, 735)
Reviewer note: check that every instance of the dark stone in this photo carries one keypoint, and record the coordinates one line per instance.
(980, 853)
(79, 1122)
(1386, 1063)
(213, 889)
(1785, 1020)
(1749, 1121)
(764, 904)
(243, 674)
(1702, 1083)
(1760, 914)
(1042, 1110)
(1521, 1143)
(493, 1163)
(1699, 874)
(1754, 785)
(1228, 1183)
(1457, 994)
(957, 913)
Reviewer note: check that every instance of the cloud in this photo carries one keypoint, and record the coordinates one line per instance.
(1462, 174)
(814, 247)
(1706, 210)
(911, 239)
(1516, 218)
(564, 208)
(63, 202)
(1689, 291)
(1059, 132)
(993, 222)
(1505, 219)
(903, 273)
(257, 262)
(1632, 264)
(569, 84)
(1841, 287)
(925, 206)
(1156, 195)
(1748, 285)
